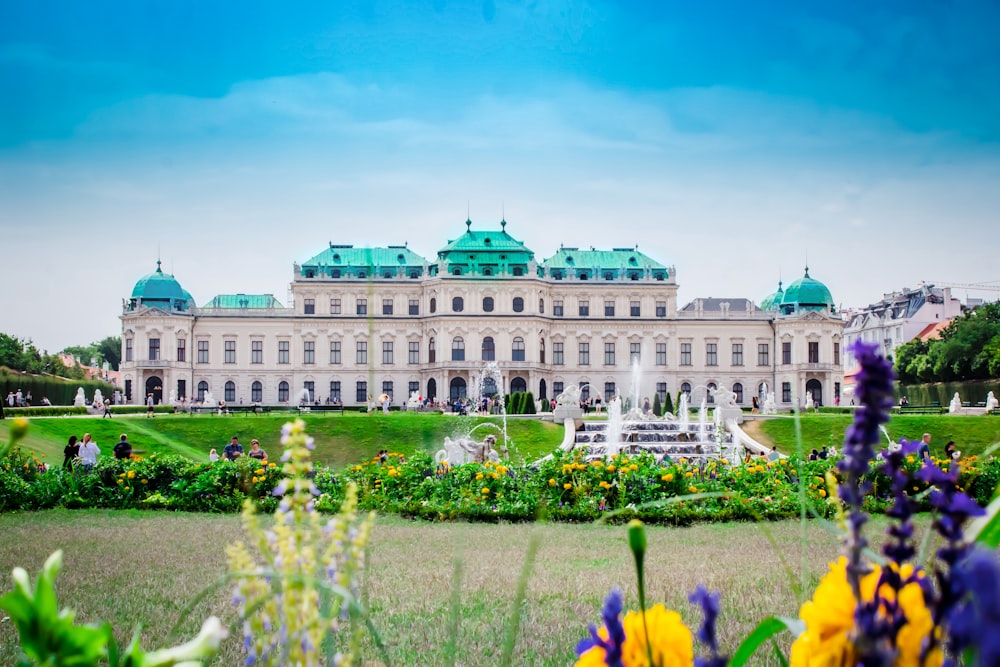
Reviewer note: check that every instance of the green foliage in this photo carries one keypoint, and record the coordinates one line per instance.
(59, 391)
(657, 407)
(968, 349)
(668, 406)
(529, 403)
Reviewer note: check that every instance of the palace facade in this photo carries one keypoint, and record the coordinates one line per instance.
(366, 321)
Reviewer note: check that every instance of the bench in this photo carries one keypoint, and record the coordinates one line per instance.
(921, 409)
(322, 408)
(995, 411)
(230, 409)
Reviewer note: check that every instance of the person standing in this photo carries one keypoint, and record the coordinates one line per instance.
(123, 449)
(89, 451)
(925, 447)
(233, 450)
(70, 452)
(149, 406)
(107, 408)
(19, 397)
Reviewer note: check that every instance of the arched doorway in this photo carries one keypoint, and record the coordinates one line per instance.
(154, 386)
(432, 389)
(815, 389)
(489, 387)
(457, 389)
(542, 389)
(518, 385)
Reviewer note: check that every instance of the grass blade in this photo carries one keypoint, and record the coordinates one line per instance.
(454, 614)
(514, 624)
(764, 632)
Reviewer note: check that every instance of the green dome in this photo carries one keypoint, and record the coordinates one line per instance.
(161, 290)
(772, 301)
(806, 293)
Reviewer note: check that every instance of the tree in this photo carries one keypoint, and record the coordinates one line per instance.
(11, 352)
(657, 407)
(668, 406)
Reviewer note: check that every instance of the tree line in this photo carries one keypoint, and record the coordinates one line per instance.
(22, 355)
(968, 349)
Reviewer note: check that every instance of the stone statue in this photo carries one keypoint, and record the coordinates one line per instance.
(810, 403)
(173, 397)
(956, 404)
(991, 402)
(414, 401)
(467, 450)
(570, 396)
(724, 398)
(770, 408)
(98, 399)
(80, 400)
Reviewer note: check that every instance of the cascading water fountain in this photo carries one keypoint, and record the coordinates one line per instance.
(682, 411)
(463, 447)
(613, 434)
(702, 420)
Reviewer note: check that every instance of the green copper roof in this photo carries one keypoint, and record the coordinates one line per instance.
(486, 253)
(806, 293)
(343, 261)
(162, 290)
(773, 300)
(596, 264)
(244, 301)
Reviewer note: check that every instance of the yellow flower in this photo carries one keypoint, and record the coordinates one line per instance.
(552, 481)
(611, 468)
(145, 481)
(689, 474)
(829, 619)
(567, 485)
(633, 467)
(253, 480)
(131, 474)
(486, 490)
(693, 489)
(605, 485)
(479, 475)
(272, 465)
(669, 477)
(259, 471)
(671, 641)
(822, 493)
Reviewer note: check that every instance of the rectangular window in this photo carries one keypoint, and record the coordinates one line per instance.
(413, 388)
(182, 349)
(128, 390)
(813, 352)
(786, 392)
(661, 354)
(335, 306)
(557, 308)
(557, 388)
(182, 389)
(361, 393)
(387, 306)
(541, 305)
(362, 307)
(661, 308)
(310, 387)
(335, 390)
(609, 390)
(609, 354)
(203, 352)
(609, 309)
(283, 347)
(309, 352)
(387, 352)
(414, 357)
(557, 354)
(310, 306)
(685, 354)
(361, 354)
(661, 391)
(711, 354)
(584, 354)
(414, 307)
(128, 349)
(836, 354)
(763, 354)
(633, 309)
(584, 309)
(230, 352)
(786, 353)
(431, 352)
(737, 354)
(634, 353)
(154, 349)
(257, 392)
(836, 390)
(334, 351)
(387, 389)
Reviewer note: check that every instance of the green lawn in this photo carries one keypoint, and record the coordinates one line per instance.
(341, 439)
(134, 568)
(972, 434)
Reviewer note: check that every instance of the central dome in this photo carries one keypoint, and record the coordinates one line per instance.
(806, 293)
(161, 290)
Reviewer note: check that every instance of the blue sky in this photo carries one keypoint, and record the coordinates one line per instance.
(731, 140)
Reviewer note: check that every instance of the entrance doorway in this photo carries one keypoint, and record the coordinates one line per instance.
(815, 389)
(154, 386)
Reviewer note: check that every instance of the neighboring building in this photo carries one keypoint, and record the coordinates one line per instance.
(899, 318)
(366, 321)
(92, 372)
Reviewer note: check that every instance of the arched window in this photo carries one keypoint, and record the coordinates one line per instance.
(489, 387)
(432, 389)
(517, 350)
(457, 349)
(457, 389)
(686, 389)
(458, 304)
(541, 391)
(518, 385)
(710, 399)
(487, 304)
(541, 351)
(202, 390)
(434, 305)
(282, 392)
(584, 390)
(738, 390)
(489, 349)
(230, 392)
(518, 304)
(431, 351)
(257, 392)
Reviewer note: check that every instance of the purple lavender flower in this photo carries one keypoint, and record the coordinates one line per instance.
(611, 615)
(709, 603)
(975, 622)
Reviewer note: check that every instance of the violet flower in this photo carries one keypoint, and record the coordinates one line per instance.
(611, 614)
(709, 603)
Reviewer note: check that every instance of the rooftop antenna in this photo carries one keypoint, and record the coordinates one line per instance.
(468, 216)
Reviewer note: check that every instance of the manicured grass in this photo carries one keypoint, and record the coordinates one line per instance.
(341, 439)
(142, 568)
(972, 434)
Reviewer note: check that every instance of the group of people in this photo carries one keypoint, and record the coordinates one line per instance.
(234, 450)
(85, 452)
(18, 400)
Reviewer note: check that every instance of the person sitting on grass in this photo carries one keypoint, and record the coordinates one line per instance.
(123, 448)
(233, 450)
(256, 452)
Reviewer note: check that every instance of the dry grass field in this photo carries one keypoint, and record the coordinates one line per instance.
(143, 568)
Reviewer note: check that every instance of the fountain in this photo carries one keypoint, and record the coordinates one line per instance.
(208, 400)
(80, 400)
(613, 434)
(702, 421)
(463, 448)
(682, 411)
(770, 408)
(172, 399)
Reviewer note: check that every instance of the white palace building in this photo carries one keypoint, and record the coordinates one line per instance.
(366, 321)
